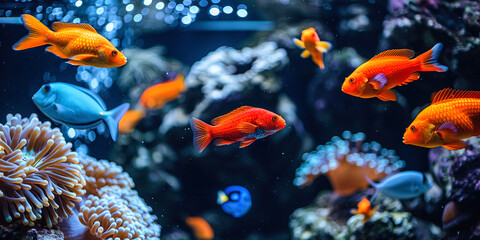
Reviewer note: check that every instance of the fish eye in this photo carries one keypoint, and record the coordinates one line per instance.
(351, 80)
(114, 53)
(425, 179)
(46, 88)
(274, 118)
(413, 128)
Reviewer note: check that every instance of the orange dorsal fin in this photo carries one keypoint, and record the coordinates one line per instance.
(449, 93)
(60, 26)
(395, 53)
(219, 120)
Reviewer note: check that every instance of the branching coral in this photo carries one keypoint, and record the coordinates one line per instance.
(346, 162)
(39, 174)
(118, 213)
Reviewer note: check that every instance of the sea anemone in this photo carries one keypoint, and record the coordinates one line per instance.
(40, 177)
(118, 213)
(346, 162)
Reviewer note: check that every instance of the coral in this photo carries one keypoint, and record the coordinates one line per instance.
(313, 223)
(40, 177)
(118, 213)
(18, 231)
(346, 162)
(101, 173)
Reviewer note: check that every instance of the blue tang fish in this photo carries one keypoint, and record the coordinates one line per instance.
(403, 185)
(235, 200)
(77, 107)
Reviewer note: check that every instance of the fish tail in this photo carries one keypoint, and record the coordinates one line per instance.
(429, 59)
(202, 134)
(181, 82)
(113, 117)
(37, 36)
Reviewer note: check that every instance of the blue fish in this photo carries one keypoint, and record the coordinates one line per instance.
(77, 107)
(235, 200)
(403, 185)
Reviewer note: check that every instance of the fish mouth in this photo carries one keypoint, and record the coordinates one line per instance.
(405, 141)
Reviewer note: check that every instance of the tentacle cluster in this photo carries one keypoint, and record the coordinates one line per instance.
(40, 177)
(346, 162)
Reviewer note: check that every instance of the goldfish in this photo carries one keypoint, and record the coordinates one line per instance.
(403, 185)
(245, 124)
(377, 76)
(364, 208)
(235, 200)
(77, 107)
(313, 46)
(78, 42)
(453, 115)
(201, 228)
(157, 95)
(129, 121)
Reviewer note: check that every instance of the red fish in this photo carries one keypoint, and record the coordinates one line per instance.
(377, 76)
(313, 46)
(364, 208)
(245, 124)
(201, 228)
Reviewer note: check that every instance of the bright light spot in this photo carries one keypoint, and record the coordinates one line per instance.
(78, 3)
(215, 1)
(179, 7)
(242, 13)
(137, 18)
(129, 7)
(147, 2)
(109, 27)
(126, 1)
(94, 83)
(187, 2)
(160, 5)
(171, 5)
(194, 9)
(100, 10)
(71, 133)
(227, 9)
(186, 20)
(214, 11)
(76, 20)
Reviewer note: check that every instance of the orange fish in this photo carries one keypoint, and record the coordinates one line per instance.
(129, 121)
(78, 42)
(313, 46)
(452, 116)
(364, 208)
(201, 228)
(245, 124)
(389, 69)
(157, 95)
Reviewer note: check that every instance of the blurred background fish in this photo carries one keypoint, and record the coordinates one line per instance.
(235, 200)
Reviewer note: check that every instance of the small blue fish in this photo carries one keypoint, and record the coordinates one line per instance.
(403, 185)
(236, 200)
(77, 107)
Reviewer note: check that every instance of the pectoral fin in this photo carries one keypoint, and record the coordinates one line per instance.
(55, 50)
(63, 110)
(455, 145)
(246, 127)
(387, 95)
(447, 127)
(298, 42)
(379, 81)
(77, 63)
(323, 46)
(246, 143)
(305, 54)
(84, 57)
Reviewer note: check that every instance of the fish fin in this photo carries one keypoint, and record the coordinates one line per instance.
(246, 127)
(354, 211)
(37, 35)
(55, 50)
(371, 182)
(57, 26)
(378, 81)
(84, 57)
(318, 59)
(222, 141)
(448, 126)
(323, 46)
(246, 143)
(299, 43)
(221, 197)
(220, 119)
(426, 129)
(77, 63)
(429, 59)
(113, 117)
(305, 54)
(455, 145)
(413, 77)
(449, 93)
(202, 134)
(63, 110)
(395, 53)
(387, 95)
